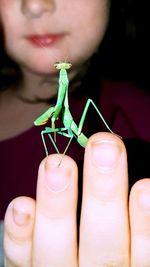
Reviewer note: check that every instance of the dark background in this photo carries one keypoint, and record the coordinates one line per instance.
(125, 50)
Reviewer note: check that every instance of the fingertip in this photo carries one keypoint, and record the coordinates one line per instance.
(57, 160)
(56, 170)
(140, 195)
(106, 136)
(141, 184)
(19, 215)
(139, 214)
(18, 231)
(106, 151)
(57, 184)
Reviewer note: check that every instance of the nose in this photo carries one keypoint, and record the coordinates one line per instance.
(36, 8)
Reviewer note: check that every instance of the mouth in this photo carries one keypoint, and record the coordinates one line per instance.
(44, 40)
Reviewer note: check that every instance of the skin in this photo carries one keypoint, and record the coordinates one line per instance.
(81, 36)
(50, 222)
(44, 232)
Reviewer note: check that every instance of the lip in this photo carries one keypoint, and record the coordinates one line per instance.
(44, 40)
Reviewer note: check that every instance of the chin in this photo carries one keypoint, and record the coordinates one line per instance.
(41, 68)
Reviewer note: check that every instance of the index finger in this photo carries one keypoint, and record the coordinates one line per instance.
(54, 241)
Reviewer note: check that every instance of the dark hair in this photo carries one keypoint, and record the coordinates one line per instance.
(10, 73)
(124, 53)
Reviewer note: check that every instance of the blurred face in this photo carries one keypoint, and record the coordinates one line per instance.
(40, 32)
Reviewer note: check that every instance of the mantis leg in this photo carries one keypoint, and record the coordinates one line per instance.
(44, 143)
(64, 134)
(90, 101)
(49, 130)
(70, 136)
(66, 149)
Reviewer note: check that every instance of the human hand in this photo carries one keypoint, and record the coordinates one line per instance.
(113, 231)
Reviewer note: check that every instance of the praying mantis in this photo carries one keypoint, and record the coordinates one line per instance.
(70, 129)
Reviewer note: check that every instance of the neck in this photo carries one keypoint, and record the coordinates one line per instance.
(42, 87)
(35, 86)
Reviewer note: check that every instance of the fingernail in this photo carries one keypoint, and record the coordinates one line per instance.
(57, 178)
(21, 218)
(106, 154)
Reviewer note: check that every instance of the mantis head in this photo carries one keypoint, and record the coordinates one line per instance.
(62, 65)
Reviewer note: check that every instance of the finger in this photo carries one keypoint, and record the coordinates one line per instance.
(55, 241)
(104, 236)
(140, 223)
(18, 224)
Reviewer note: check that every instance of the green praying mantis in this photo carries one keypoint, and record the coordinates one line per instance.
(70, 129)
